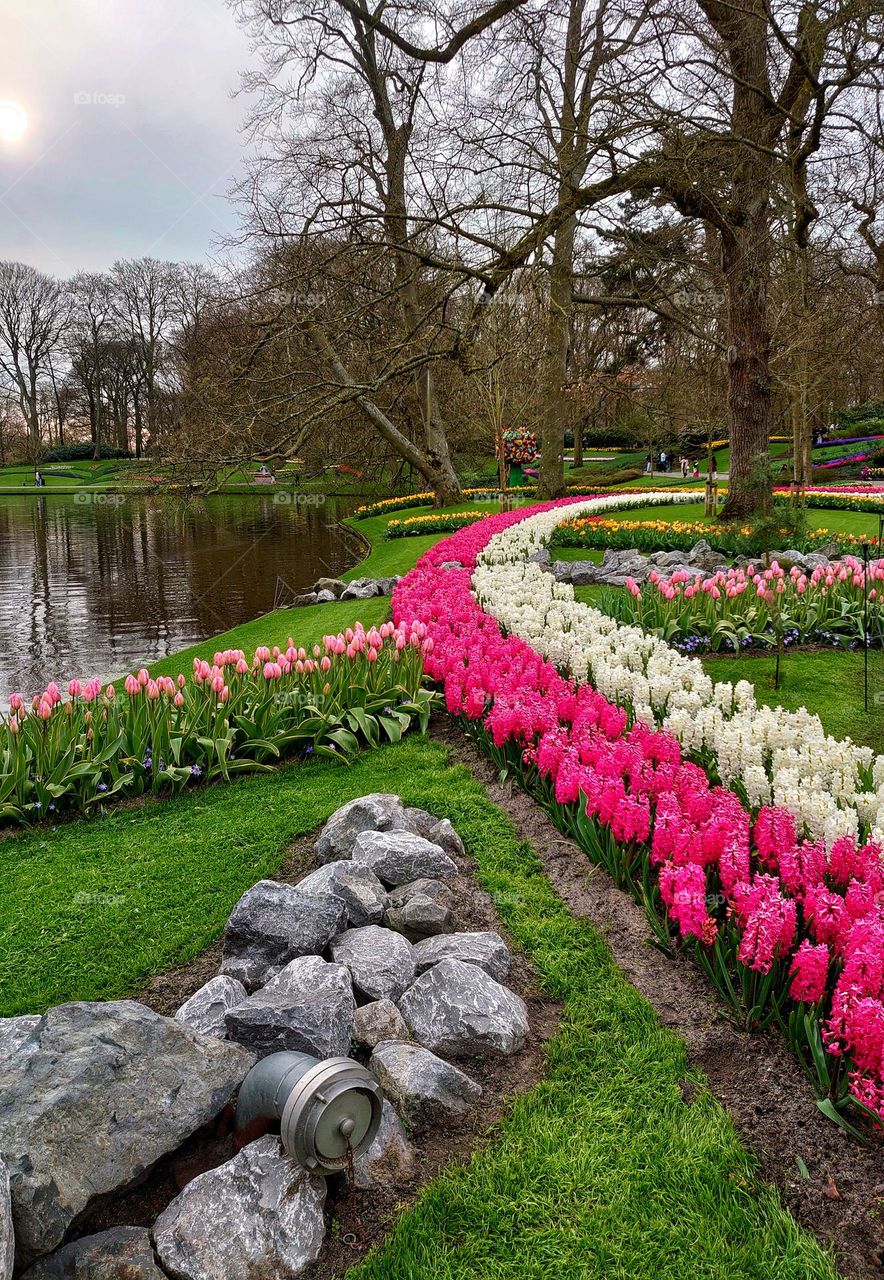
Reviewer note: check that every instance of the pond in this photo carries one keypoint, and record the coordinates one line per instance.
(97, 584)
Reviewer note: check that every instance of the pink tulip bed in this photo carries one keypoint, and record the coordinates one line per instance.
(78, 749)
(738, 609)
(791, 932)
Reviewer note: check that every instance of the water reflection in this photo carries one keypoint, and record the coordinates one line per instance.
(96, 588)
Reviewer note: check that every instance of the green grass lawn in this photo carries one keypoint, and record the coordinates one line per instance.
(601, 1171)
(829, 683)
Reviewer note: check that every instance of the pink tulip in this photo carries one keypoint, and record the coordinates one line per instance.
(143, 676)
(179, 699)
(74, 688)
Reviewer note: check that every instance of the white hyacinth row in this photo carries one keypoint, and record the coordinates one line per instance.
(772, 755)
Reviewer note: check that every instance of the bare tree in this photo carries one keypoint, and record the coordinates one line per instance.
(145, 296)
(93, 318)
(33, 315)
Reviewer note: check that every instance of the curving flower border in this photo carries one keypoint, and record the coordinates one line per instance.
(770, 755)
(788, 928)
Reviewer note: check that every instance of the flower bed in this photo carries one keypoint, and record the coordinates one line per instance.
(845, 498)
(406, 500)
(75, 751)
(597, 533)
(416, 526)
(739, 609)
(783, 908)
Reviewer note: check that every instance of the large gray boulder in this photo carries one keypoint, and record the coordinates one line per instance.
(399, 856)
(701, 556)
(419, 909)
(786, 559)
(378, 811)
(380, 961)
(422, 1087)
(122, 1253)
(15, 1032)
(258, 1217)
(436, 830)
(93, 1099)
(358, 888)
(420, 821)
(205, 1009)
(334, 585)
(443, 834)
(377, 1021)
(583, 573)
(488, 950)
(7, 1237)
(457, 1009)
(308, 1006)
(390, 1160)
(666, 559)
(361, 589)
(273, 924)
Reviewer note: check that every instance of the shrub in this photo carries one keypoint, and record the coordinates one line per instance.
(82, 452)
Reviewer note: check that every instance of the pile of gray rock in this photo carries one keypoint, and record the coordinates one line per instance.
(325, 590)
(701, 561)
(359, 957)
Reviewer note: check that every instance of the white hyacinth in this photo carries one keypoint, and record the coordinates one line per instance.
(774, 755)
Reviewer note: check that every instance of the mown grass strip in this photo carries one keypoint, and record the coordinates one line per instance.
(601, 1171)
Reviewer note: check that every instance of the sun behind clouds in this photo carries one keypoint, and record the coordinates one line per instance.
(13, 121)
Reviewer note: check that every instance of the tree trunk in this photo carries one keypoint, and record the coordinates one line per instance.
(446, 486)
(746, 262)
(555, 364)
(578, 444)
(138, 428)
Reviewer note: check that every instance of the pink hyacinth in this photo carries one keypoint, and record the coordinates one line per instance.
(809, 972)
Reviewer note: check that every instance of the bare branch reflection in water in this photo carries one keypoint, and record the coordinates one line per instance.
(94, 589)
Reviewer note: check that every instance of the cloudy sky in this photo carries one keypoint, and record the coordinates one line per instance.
(132, 136)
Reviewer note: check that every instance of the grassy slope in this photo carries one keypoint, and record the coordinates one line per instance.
(308, 625)
(602, 1170)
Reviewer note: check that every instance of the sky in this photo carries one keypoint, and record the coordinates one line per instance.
(131, 134)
